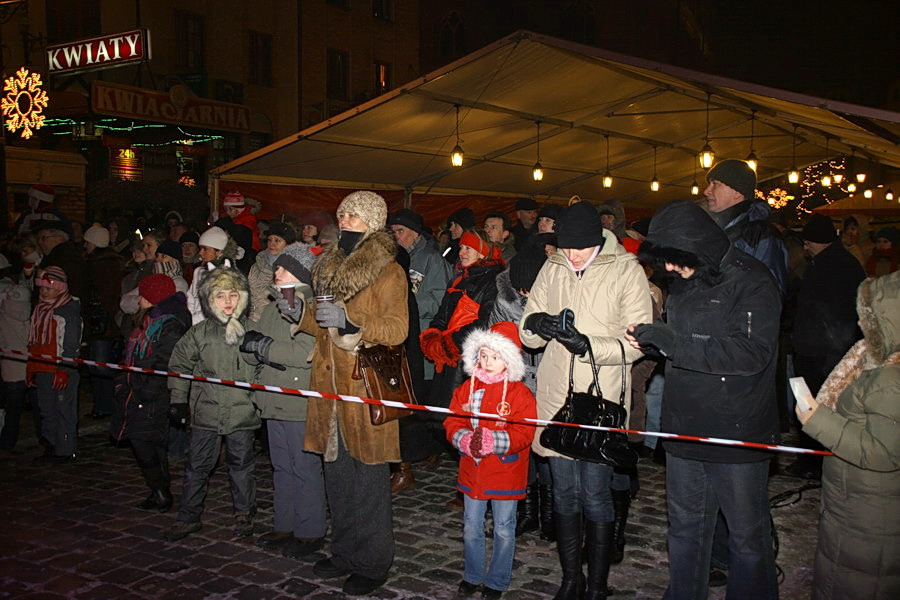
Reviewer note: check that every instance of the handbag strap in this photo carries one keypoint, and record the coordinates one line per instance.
(594, 370)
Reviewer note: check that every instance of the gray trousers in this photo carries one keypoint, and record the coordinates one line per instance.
(201, 460)
(298, 481)
(359, 497)
(59, 413)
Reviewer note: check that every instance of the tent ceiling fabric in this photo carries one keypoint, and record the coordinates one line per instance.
(402, 140)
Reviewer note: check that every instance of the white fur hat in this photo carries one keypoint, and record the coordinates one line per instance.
(214, 237)
(502, 338)
(97, 235)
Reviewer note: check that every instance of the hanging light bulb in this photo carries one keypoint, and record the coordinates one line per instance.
(794, 174)
(456, 157)
(838, 177)
(889, 194)
(654, 183)
(826, 178)
(751, 159)
(537, 171)
(860, 177)
(868, 193)
(695, 189)
(851, 187)
(607, 177)
(707, 155)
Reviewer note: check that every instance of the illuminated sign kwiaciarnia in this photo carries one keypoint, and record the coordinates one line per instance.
(99, 53)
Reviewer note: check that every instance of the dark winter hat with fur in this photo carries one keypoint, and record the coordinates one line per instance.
(580, 226)
(282, 230)
(298, 260)
(684, 234)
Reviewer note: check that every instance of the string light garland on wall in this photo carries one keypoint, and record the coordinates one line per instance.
(23, 105)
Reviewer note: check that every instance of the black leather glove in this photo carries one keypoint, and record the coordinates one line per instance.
(572, 340)
(284, 308)
(258, 344)
(179, 414)
(658, 336)
(542, 324)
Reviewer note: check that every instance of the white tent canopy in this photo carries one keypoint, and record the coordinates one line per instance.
(653, 115)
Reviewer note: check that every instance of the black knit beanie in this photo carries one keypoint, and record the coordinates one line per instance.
(736, 174)
(580, 226)
(282, 230)
(524, 267)
(406, 218)
(464, 217)
(819, 229)
(298, 260)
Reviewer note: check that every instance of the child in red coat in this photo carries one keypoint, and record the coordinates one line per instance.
(494, 462)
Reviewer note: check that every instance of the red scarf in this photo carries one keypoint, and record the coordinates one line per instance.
(42, 318)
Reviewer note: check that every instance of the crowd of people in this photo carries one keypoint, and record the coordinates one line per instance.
(700, 313)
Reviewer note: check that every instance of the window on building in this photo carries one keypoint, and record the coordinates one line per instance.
(384, 77)
(383, 9)
(189, 41)
(452, 41)
(261, 58)
(71, 20)
(337, 74)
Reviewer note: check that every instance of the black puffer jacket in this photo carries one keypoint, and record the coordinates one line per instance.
(141, 410)
(720, 379)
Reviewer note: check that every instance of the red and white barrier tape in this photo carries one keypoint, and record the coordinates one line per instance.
(422, 407)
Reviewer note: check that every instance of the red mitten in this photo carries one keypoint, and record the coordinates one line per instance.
(430, 341)
(60, 380)
(451, 352)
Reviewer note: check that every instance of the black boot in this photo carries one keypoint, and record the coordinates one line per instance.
(163, 498)
(621, 502)
(600, 550)
(527, 517)
(149, 502)
(545, 496)
(568, 546)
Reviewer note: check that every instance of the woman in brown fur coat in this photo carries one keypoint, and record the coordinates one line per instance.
(369, 307)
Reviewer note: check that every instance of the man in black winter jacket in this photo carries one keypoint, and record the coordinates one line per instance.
(720, 343)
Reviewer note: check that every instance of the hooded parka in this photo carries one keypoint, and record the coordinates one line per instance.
(611, 293)
(858, 555)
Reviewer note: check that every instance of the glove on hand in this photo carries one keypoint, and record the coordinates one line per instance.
(258, 344)
(284, 308)
(179, 414)
(476, 442)
(542, 324)
(487, 443)
(656, 335)
(60, 380)
(331, 315)
(465, 444)
(572, 340)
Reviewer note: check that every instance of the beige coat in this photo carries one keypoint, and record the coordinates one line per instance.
(372, 287)
(611, 294)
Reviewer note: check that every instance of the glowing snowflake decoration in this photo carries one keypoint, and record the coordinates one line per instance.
(24, 103)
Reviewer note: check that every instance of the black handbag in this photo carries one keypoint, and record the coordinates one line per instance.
(590, 408)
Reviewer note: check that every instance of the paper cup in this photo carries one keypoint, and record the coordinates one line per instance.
(324, 298)
(288, 292)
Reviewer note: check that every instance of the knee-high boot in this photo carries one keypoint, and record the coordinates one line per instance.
(600, 550)
(545, 500)
(621, 503)
(527, 518)
(568, 546)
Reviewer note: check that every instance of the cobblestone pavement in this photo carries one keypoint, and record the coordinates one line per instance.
(71, 531)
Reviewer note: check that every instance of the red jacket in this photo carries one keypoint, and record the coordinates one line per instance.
(498, 476)
(248, 220)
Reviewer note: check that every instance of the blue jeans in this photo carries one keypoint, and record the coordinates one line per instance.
(500, 571)
(696, 492)
(582, 486)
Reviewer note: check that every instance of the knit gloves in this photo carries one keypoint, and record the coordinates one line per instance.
(478, 443)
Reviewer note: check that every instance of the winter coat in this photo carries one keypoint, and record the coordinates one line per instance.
(65, 340)
(15, 313)
(210, 349)
(104, 269)
(478, 283)
(373, 289)
(260, 278)
(825, 317)
(141, 408)
(858, 553)
(747, 227)
(611, 293)
(521, 235)
(294, 352)
(509, 306)
(429, 275)
(720, 373)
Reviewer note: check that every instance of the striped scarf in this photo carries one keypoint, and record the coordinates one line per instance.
(42, 318)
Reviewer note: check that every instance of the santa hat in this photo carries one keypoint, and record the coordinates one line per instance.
(502, 338)
(233, 199)
(42, 192)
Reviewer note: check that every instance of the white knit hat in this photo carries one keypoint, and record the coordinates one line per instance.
(97, 235)
(368, 206)
(214, 237)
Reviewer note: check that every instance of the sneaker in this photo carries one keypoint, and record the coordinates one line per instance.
(149, 503)
(360, 585)
(298, 548)
(326, 569)
(243, 524)
(182, 529)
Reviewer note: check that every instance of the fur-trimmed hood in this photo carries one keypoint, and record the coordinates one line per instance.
(217, 281)
(878, 306)
(345, 276)
(499, 343)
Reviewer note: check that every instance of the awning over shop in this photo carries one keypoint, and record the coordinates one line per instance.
(654, 117)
